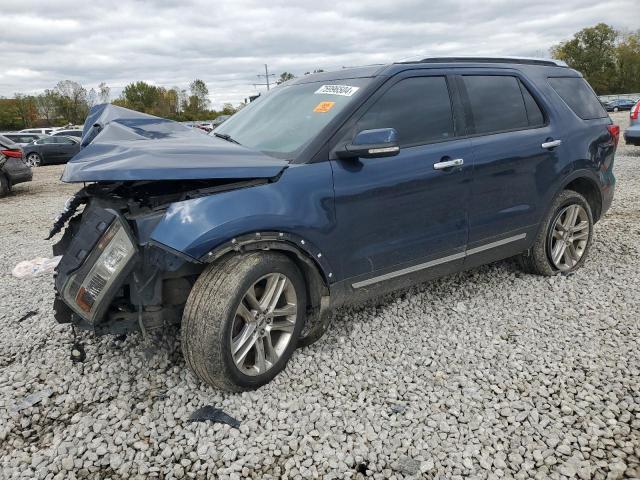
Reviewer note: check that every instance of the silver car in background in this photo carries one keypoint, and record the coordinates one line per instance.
(632, 134)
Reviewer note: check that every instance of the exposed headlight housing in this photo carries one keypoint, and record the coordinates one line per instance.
(111, 255)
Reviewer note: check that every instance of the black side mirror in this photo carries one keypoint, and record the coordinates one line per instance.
(381, 142)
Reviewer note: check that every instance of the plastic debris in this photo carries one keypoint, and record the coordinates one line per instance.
(78, 354)
(35, 267)
(29, 314)
(215, 415)
(33, 399)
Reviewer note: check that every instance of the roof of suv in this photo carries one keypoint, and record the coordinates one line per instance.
(521, 63)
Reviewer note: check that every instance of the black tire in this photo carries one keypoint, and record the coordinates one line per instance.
(210, 311)
(538, 260)
(4, 186)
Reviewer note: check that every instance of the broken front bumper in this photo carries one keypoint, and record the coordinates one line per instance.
(99, 253)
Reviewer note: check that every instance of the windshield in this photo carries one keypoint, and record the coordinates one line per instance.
(289, 117)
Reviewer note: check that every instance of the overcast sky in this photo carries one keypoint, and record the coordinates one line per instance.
(226, 43)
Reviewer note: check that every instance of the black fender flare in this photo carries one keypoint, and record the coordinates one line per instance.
(314, 265)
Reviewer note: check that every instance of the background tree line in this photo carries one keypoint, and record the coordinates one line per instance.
(608, 59)
(69, 102)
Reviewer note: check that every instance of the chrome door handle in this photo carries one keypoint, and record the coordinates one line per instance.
(456, 162)
(552, 144)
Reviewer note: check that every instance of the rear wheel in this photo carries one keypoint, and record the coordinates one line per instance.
(564, 239)
(4, 185)
(33, 160)
(242, 320)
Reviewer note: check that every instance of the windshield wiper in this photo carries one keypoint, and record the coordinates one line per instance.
(226, 137)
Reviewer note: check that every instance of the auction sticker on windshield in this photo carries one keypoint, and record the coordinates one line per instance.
(324, 107)
(343, 90)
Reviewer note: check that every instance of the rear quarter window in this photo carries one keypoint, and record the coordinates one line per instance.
(579, 96)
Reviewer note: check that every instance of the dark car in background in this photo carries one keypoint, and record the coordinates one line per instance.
(619, 105)
(22, 138)
(50, 150)
(13, 169)
(332, 189)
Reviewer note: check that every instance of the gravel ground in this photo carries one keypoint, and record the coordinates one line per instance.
(486, 374)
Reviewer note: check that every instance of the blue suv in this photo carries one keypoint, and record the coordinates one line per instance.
(332, 189)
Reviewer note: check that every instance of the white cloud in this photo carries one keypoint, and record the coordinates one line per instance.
(226, 43)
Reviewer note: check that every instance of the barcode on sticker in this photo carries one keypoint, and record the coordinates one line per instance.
(344, 90)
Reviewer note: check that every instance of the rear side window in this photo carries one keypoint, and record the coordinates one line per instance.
(577, 94)
(496, 103)
(419, 108)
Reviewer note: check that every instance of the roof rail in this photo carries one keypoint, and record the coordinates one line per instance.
(519, 60)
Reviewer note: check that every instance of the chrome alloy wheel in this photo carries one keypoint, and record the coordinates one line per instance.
(263, 324)
(33, 160)
(569, 236)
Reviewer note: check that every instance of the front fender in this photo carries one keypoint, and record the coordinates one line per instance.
(300, 204)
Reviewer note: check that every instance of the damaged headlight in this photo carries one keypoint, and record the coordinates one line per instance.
(110, 257)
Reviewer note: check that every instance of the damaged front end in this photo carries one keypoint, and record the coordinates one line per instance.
(112, 277)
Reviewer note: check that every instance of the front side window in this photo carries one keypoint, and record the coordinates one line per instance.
(419, 108)
(285, 120)
(496, 103)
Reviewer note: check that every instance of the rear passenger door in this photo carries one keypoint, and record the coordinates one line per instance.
(404, 213)
(509, 131)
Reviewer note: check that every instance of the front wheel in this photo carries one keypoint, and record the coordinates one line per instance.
(242, 320)
(34, 160)
(564, 239)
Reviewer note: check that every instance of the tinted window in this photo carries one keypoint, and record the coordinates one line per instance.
(418, 108)
(534, 114)
(578, 95)
(496, 103)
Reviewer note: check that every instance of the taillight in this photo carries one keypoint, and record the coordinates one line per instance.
(614, 131)
(12, 153)
(634, 111)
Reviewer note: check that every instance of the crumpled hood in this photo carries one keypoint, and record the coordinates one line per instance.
(119, 144)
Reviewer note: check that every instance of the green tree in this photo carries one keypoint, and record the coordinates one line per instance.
(140, 96)
(197, 104)
(73, 101)
(228, 109)
(285, 76)
(592, 52)
(9, 117)
(47, 104)
(26, 109)
(628, 64)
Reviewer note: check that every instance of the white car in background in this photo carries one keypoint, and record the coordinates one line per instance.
(45, 130)
(22, 138)
(71, 132)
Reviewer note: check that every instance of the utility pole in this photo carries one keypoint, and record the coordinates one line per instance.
(266, 77)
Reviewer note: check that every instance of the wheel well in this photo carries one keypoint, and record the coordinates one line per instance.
(589, 190)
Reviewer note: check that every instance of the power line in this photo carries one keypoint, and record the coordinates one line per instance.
(266, 76)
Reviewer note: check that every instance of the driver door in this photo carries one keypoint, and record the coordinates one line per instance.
(404, 215)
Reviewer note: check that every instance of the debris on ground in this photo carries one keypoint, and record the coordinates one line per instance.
(215, 415)
(35, 267)
(29, 314)
(33, 399)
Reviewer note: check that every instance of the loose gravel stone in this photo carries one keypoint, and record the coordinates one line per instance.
(490, 373)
